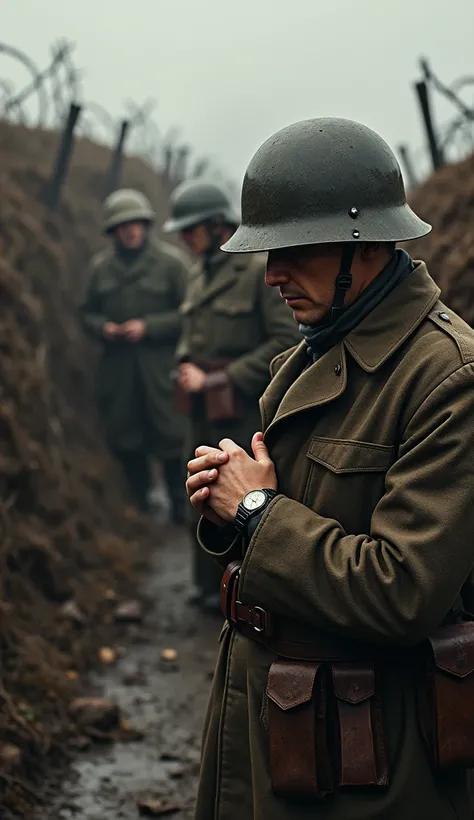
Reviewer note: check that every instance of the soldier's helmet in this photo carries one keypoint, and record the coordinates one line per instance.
(323, 180)
(126, 205)
(196, 201)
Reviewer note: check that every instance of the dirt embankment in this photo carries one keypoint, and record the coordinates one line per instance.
(446, 200)
(68, 540)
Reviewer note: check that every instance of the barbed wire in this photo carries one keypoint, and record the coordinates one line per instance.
(44, 102)
(448, 142)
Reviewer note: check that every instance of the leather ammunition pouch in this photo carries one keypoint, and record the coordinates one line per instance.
(446, 697)
(324, 706)
(325, 728)
(221, 403)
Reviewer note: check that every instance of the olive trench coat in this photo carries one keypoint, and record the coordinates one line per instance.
(370, 537)
(134, 387)
(233, 315)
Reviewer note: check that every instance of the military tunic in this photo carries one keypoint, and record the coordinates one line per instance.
(370, 537)
(134, 388)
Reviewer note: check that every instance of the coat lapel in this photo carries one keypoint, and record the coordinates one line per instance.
(295, 389)
(124, 274)
(225, 276)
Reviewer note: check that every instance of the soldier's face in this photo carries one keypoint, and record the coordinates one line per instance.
(306, 277)
(131, 235)
(197, 239)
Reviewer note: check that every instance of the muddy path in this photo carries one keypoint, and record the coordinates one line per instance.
(165, 701)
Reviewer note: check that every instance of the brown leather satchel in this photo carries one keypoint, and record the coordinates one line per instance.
(446, 697)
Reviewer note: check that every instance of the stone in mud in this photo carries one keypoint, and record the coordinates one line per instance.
(156, 807)
(71, 611)
(10, 757)
(95, 713)
(129, 612)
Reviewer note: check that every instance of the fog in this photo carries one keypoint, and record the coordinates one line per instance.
(230, 74)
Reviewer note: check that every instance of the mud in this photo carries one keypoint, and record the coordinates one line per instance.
(165, 701)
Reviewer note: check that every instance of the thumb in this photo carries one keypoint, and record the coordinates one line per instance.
(259, 448)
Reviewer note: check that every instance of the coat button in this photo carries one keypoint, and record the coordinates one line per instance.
(444, 316)
(338, 370)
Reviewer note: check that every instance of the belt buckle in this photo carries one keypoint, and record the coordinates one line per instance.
(260, 620)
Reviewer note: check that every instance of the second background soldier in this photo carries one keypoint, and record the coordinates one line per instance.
(233, 326)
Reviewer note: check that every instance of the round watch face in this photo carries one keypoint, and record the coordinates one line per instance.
(254, 500)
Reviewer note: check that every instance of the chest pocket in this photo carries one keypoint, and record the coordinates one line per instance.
(105, 286)
(155, 295)
(346, 479)
(237, 325)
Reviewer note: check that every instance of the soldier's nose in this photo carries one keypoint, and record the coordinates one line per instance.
(276, 276)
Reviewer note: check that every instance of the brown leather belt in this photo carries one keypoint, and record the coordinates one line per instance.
(294, 639)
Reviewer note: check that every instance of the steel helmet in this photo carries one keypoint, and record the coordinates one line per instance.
(126, 205)
(196, 201)
(323, 180)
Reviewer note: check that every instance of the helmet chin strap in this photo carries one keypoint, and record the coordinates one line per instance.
(343, 280)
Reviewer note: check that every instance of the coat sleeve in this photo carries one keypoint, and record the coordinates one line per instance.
(91, 313)
(166, 326)
(397, 582)
(224, 544)
(251, 372)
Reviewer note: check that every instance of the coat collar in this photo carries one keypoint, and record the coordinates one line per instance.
(126, 273)
(227, 269)
(382, 332)
(371, 343)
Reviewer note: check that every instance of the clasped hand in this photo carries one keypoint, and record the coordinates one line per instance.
(218, 479)
(132, 331)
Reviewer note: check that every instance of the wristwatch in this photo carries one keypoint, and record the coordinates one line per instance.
(252, 503)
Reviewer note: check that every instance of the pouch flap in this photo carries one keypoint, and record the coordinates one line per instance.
(347, 456)
(453, 649)
(353, 683)
(291, 683)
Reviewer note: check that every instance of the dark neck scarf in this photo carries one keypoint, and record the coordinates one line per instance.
(211, 262)
(323, 336)
(129, 255)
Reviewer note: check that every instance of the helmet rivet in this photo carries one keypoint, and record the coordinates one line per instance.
(354, 213)
(356, 234)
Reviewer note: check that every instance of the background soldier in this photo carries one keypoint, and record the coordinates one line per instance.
(131, 306)
(233, 325)
(340, 687)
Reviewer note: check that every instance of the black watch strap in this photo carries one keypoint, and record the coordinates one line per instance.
(244, 516)
(252, 525)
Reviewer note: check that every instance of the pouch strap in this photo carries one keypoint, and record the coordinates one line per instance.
(354, 689)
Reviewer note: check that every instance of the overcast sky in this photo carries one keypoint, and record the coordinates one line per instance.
(231, 73)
